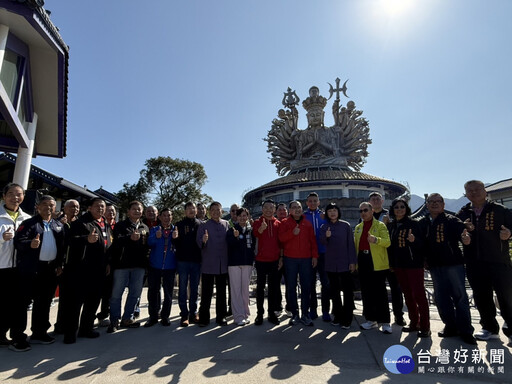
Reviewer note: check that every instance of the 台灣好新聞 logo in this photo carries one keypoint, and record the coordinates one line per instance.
(398, 359)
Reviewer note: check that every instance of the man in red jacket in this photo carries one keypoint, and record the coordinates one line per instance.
(267, 262)
(300, 257)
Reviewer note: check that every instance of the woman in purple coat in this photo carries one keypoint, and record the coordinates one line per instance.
(340, 262)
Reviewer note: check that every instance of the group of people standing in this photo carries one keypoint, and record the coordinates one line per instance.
(93, 259)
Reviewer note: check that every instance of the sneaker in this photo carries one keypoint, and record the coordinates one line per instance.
(386, 329)
(104, 322)
(369, 325)
(130, 324)
(42, 339)
(326, 317)
(273, 319)
(222, 322)
(259, 320)
(345, 327)
(306, 320)
(20, 346)
(294, 320)
(424, 333)
(150, 323)
(468, 339)
(247, 321)
(399, 320)
(241, 323)
(485, 335)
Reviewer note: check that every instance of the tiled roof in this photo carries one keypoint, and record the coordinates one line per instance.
(500, 185)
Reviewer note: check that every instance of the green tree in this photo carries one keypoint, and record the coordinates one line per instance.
(167, 182)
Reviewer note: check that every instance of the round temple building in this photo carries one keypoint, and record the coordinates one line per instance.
(325, 160)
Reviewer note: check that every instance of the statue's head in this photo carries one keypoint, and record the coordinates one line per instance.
(315, 105)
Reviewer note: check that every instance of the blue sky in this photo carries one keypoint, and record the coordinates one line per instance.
(202, 80)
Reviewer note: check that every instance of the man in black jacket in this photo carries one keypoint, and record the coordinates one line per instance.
(85, 270)
(40, 245)
(129, 259)
(188, 255)
(489, 267)
(443, 232)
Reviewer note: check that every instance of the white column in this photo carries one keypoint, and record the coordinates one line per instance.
(4, 32)
(24, 159)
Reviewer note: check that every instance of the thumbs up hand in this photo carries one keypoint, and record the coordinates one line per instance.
(175, 233)
(466, 239)
(469, 225)
(158, 232)
(296, 230)
(372, 239)
(410, 236)
(93, 236)
(504, 233)
(135, 236)
(263, 226)
(328, 232)
(8, 234)
(35, 243)
(205, 236)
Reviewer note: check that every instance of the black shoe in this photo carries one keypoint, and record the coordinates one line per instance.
(136, 314)
(193, 319)
(165, 322)
(89, 334)
(150, 323)
(184, 322)
(410, 329)
(468, 339)
(424, 333)
(130, 324)
(58, 330)
(20, 346)
(222, 322)
(203, 324)
(400, 321)
(42, 339)
(273, 319)
(448, 333)
(113, 327)
(69, 339)
(259, 320)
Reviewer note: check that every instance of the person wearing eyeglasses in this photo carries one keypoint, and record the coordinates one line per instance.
(372, 240)
(406, 258)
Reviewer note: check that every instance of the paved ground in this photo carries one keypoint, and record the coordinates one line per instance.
(255, 354)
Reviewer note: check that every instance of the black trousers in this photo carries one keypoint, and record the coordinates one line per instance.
(8, 283)
(80, 297)
(39, 288)
(342, 310)
(267, 271)
(207, 283)
(373, 290)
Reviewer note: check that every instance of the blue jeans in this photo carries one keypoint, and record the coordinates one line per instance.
(126, 277)
(451, 298)
(188, 272)
(303, 268)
